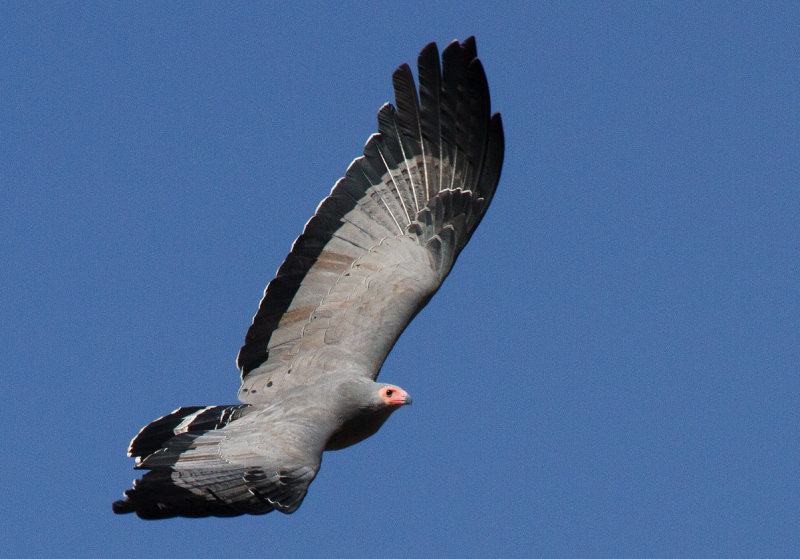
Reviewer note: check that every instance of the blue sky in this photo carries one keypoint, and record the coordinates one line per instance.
(611, 369)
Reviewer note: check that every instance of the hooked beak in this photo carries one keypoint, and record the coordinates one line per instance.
(402, 398)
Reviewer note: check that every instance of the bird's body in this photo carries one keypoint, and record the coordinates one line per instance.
(374, 253)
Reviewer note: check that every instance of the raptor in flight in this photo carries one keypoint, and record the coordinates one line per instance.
(374, 253)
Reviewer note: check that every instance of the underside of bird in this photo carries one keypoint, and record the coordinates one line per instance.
(251, 459)
(376, 250)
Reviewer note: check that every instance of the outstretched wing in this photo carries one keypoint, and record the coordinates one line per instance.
(384, 240)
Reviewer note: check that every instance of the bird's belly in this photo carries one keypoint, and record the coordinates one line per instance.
(356, 430)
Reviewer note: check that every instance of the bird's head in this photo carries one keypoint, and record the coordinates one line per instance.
(370, 396)
(393, 395)
(364, 406)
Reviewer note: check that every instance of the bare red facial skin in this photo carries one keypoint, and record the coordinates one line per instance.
(394, 396)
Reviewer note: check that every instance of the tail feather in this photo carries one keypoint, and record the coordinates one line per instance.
(194, 494)
(166, 493)
(188, 475)
(166, 490)
(183, 420)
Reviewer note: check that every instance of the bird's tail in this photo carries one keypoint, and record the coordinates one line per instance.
(191, 475)
(190, 419)
(166, 490)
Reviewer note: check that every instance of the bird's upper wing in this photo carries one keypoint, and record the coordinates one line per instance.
(384, 240)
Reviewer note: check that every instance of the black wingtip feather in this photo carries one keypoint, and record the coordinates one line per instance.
(492, 163)
(407, 101)
(430, 85)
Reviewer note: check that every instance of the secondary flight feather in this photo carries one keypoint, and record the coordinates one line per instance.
(374, 253)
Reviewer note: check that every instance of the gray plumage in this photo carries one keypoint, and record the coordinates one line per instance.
(374, 253)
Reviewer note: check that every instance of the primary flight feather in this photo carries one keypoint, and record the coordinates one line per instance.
(374, 253)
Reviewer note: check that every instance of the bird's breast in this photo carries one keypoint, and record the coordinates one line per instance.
(357, 429)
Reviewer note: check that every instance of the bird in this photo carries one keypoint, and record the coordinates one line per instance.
(374, 253)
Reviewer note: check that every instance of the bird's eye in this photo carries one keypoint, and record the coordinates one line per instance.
(389, 392)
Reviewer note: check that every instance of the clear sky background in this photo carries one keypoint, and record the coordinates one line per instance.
(611, 369)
